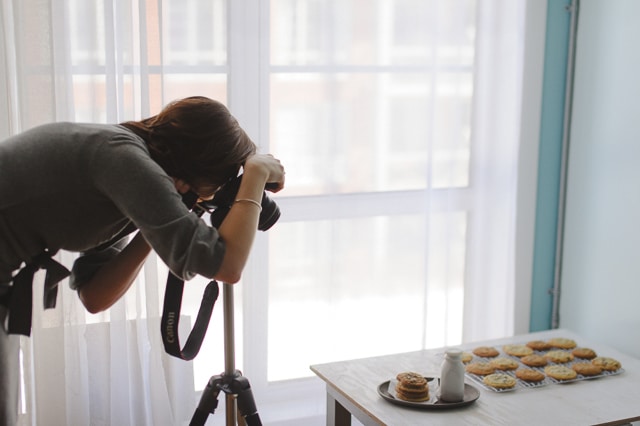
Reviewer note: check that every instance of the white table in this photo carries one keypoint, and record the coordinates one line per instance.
(612, 400)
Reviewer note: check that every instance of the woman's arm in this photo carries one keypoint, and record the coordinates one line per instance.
(237, 230)
(115, 277)
(239, 227)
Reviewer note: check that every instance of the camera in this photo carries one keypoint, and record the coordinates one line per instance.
(224, 198)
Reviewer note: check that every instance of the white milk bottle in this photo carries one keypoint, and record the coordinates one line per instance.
(452, 377)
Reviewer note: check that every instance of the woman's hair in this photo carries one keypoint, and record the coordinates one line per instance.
(196, 139)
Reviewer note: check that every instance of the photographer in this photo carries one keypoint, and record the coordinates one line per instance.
(77, 187)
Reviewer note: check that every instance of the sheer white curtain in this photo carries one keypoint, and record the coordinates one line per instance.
(398, 121)
(93, 61)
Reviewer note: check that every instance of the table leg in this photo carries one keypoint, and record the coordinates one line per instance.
(337, 415)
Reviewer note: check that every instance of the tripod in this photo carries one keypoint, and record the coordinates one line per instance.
(238, 395)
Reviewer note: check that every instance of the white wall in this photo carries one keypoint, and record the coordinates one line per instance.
(600, 285)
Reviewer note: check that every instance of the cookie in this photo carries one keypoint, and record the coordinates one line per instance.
(559, 357)
(560, 372)
(486, 351)
(586, 368)
(529, 375)
(606, 363)
(480, 368)
(499, 381)
(534, 360)
(538, 345)
(466, 357)
(584, 353)
(517, 350)
(562, 343)
(503, 363)
(410, 379)
(412, 394)
(412, 386)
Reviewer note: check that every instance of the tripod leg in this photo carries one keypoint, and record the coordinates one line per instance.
(241, 421)
(246, 404)
(231, 409)
(208, 402)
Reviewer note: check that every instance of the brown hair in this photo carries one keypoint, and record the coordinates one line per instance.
(196, 139)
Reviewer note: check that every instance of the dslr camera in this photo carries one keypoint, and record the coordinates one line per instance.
(224, 198)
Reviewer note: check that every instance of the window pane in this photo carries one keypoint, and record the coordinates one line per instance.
(363, 32)
(451, 137)
(178, 86)
(195, 32)
(90, 101)
(87, 32)
(361, 132)
(336, 279)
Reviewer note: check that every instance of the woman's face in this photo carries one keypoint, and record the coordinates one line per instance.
(205, 192)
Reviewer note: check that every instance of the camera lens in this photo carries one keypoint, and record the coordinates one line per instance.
(269, 215)
(223, 200)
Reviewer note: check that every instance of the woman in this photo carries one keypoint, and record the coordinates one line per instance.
(75, 187)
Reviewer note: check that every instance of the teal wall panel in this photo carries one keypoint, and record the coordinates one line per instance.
(550, 162)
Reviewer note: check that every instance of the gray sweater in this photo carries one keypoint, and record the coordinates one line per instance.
(72, 187)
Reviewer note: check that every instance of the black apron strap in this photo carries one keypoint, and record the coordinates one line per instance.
(20, 298)
(55, 273)
(20, 301)
(171, 318)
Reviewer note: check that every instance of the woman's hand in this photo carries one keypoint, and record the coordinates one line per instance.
(270, 167)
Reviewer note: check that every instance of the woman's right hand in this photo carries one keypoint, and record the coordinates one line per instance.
(267, 166)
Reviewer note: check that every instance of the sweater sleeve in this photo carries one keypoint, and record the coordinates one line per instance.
(125, 173)
(89, 262)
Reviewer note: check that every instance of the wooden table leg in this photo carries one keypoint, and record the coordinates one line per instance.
(337, 415)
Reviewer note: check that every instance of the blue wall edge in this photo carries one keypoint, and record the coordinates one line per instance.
(549, 163)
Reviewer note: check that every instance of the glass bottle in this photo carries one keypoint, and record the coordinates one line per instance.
(452, 377)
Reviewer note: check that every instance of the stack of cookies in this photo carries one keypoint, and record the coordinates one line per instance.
(412, 387)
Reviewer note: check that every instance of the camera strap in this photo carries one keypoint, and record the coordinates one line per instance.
(173, 301)
(171, 318)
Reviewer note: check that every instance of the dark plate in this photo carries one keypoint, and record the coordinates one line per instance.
(470, 395)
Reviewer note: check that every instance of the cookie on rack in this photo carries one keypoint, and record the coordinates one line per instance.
(412, 386)
(606, 363)
(529, 375)
(560, 372)
(504, 363)
(562, 343)
(534, 360)
(486, 351)
(539, 345)
(586, 369)
(466, 357)
(480, 368)
(559, 357)
(584, 353)
(499, 381)
(517, 350)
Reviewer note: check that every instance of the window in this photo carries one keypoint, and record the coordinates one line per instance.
(369, 102)
(397, 121)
